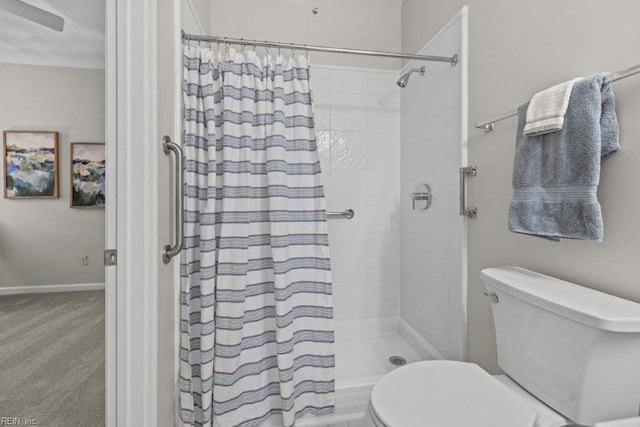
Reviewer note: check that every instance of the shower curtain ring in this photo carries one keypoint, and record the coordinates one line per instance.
(306, 52)
(293, 52)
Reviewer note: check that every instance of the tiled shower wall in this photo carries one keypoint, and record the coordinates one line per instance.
(357, 119)
(433, 240)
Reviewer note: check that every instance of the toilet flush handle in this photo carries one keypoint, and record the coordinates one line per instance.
(493, 297)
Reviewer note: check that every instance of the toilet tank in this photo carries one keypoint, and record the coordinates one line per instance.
(574, 348)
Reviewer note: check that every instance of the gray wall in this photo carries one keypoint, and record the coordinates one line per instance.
(359, 24)
(202, 10)
(42, 241)
(517, 48)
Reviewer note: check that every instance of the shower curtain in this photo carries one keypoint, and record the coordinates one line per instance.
(256, 304)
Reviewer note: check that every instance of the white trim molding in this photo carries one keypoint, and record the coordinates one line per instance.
(110, 274)
(464, 159)
(47, 289)
(136, 331)
(178, 124)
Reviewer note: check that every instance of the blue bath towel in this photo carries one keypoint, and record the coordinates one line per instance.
(555, 176)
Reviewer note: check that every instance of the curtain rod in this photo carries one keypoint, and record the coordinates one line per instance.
(613, 77)
(453, 60)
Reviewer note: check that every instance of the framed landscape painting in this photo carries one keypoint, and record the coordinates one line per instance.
(30, 164)
(87, 175)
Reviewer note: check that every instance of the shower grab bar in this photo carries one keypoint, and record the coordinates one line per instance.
(170, 251)
(464, 173)
(347, 213)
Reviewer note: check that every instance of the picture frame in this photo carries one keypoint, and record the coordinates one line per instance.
(87, 172)
(30, 164)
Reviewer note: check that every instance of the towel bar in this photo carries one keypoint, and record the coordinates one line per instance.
(488, 126)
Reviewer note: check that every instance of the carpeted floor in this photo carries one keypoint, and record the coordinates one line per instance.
(52, 358)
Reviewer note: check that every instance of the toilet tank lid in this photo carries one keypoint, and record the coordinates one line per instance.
(587, 306)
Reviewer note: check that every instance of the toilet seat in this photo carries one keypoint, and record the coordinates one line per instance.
(445, 394)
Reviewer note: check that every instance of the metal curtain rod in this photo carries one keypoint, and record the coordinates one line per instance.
(453, 60)
(613, 77)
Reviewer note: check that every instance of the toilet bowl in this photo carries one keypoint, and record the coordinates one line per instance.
(454, 394)
(569, 353)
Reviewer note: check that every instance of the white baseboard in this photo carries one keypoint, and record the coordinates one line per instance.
(45, 289)
(416, 341)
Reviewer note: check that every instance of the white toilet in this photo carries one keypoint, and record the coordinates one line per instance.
(571, 355)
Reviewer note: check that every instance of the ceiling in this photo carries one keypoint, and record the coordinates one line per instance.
(80, 45)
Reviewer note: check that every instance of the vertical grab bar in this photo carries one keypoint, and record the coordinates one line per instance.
(169, 251)
(465, 172)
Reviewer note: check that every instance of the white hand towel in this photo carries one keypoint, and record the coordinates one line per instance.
(547, 109)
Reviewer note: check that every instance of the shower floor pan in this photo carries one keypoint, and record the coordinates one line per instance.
(363, 349)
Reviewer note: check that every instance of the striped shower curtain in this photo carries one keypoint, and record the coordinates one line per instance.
(256, 304)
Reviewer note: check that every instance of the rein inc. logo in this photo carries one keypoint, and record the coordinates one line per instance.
(18, 421)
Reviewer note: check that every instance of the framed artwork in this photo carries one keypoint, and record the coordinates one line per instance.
(30, 164)
(87, 175)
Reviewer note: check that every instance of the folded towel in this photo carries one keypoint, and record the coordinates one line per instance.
(555, 176)
(547, 109)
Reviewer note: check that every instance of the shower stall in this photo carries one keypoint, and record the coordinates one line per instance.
(391, 145)
(399, 270)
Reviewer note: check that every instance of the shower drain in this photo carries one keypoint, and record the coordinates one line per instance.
(397, 360)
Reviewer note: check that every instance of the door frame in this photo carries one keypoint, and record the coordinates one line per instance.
(110, 210)
(131, 225)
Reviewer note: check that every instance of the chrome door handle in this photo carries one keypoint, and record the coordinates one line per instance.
(169, 251)
(464, 210)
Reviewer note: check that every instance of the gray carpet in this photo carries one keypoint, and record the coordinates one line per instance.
(52, 358)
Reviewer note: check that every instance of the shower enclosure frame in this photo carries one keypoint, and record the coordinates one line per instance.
(453, 312)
